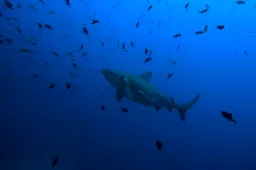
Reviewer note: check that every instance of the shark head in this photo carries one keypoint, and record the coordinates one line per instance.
(113, 77)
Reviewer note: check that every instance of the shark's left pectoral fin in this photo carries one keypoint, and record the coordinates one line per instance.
(146, 76)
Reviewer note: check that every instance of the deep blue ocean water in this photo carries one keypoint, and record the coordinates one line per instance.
(41, 118)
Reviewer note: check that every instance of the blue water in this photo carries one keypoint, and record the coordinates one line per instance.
(38, 123)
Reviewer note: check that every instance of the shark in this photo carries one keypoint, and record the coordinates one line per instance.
(137, 88)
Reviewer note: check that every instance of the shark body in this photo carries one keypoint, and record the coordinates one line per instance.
(139, 89)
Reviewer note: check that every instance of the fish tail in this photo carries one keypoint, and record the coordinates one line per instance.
(182, 109)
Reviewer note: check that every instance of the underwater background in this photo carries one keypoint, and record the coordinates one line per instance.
(58, 111)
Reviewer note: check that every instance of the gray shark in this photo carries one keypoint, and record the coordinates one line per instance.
(138, 89)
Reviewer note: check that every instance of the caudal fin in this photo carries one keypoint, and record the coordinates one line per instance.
(182, 109)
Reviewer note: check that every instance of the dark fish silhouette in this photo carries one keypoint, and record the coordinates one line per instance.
(199, 32)
(177, 35)
(204, 10)
(95, 21)
(159, 145)
(8, 4)
(40, 25)
(124, 109)
(146, 51)
(137, 24)
(55, 161)
(169, 75)
(68, 85)
(48, 26)
(186, 6)
(102, 107)
(148, 59)
(51, 86)
(240, 2)
(85, 31)
(206, 28)
(220, 27)
(68, 3)
(228, 116)
(149, 8)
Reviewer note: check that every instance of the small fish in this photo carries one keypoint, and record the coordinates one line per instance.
(8, 4)
(132, 44)
(220, 27)
(123, 46)
(55, 161)
(81, 47)
(102, 43)
(169, 75)
(245, 52)
(55, 54)
(199, 32)
(137, 24)
(74, 65)
(18, 29)
(48, 26)
(1, 14)
(240, 2)
(177, 35)
(174, 62)
(124, 109)
(85, 30)
(68, 85)
(85, 53)
(186, 6)
(1, 41)
(8, 40)
(149, 8)
(40, 25)
(68, 3)
(228, 116)
(95, 21)
(147, 59)
(32, 7)
(205, 28)
(146, 51)
(204, 10)
(102, 107)
(51, 86)
(34, 43)
(25, 50)
(42, 2)
(159, 145)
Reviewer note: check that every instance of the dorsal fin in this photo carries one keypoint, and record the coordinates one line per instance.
(146, 76)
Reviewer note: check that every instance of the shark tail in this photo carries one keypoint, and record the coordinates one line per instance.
(182, 109)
